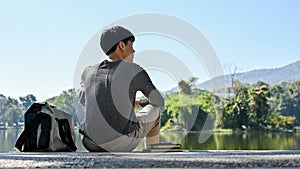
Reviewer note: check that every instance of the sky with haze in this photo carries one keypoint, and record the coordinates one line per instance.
(41, 41)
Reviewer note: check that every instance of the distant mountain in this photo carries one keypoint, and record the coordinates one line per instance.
(273, 76)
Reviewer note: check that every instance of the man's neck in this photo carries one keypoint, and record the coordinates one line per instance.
(114, 57)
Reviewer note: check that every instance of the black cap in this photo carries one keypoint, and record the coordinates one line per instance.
(110, 37)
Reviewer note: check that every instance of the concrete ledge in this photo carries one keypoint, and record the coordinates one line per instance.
(187, 159)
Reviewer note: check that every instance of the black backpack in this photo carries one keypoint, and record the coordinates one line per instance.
(47, 129)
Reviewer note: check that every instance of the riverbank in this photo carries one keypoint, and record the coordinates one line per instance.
(187, 159)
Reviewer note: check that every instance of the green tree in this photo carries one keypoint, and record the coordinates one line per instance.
(276, 93)
(66, 101)
(27, 100)
(184, 87)
(259, 107)
(3, 101)
(188, 110)
(237, 107)
(171, 111)
(286, 100)
(14, 115)
(207, 110)
(11, 110)
(294, 91)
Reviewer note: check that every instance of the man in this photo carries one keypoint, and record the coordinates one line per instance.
(108, 93)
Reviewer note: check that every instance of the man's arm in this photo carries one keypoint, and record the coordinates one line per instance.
(155, 98)
(149, 90)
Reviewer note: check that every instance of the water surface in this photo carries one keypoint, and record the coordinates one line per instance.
(218, 141)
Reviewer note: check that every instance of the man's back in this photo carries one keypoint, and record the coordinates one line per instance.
(110, 89)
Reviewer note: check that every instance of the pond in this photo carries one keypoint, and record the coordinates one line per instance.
(190, 141)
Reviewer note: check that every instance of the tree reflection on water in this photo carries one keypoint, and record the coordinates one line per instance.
(218, 141)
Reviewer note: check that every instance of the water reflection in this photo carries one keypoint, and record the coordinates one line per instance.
(237, 141)
(218, 141)
(7, 139)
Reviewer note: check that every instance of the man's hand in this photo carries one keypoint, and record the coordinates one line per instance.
(141, 102)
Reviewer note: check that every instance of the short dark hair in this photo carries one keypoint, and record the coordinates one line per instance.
(112, 36)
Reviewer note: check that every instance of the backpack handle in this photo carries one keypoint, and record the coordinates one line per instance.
(65, 133)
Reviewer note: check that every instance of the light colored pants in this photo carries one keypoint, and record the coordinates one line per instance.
(149, 122)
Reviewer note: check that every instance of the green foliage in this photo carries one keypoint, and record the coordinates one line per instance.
(278, 121)
(184, 87)
(11, 111)
(257, 107)
(237, 108)
(188, 110)
(261, 108)
(66, 101)
(27, 100)
(286, 100)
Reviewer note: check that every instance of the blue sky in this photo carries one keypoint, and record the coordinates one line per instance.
(40, 41)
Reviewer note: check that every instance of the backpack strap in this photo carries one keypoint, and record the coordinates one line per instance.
(25, 139)
(22, 139)
(44, 139)
(65, 133)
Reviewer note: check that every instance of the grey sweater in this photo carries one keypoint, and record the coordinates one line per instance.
(108, 92)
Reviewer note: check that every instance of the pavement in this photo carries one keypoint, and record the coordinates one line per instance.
(186, 159)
